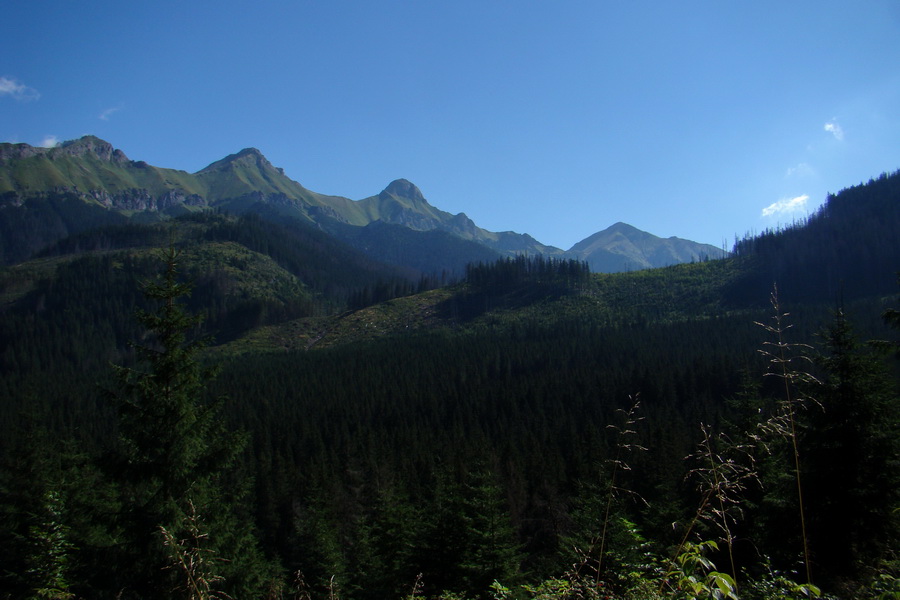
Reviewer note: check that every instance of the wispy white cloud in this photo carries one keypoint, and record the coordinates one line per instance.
(17, 90)
(787, 205)
(834, 129)
(49, 141)
(800, 170)
(106, 114)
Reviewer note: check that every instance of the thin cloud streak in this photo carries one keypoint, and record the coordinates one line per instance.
(17, 90)
(801, 170)
(106, 114)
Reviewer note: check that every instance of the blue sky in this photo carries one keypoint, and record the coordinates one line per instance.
(696, 119)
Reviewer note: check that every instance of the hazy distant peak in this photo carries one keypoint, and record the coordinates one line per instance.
(623, 247)
(620, 226)
(404, 189)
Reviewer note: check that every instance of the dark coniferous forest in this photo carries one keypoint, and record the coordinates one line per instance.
(243, 406)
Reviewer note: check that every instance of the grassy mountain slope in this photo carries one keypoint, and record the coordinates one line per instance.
(88, 165)
(240, 181)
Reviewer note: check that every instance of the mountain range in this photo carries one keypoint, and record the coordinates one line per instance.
(398, 225)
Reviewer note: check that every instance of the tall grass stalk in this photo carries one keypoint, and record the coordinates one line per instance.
(623, 447)
(781, 355)
(195, 562)
(724, 469)
(416, 591)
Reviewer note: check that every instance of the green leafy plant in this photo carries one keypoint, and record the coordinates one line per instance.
(692, 575)
(775, 585)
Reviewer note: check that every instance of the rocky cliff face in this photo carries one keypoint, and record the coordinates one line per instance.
(141, 200)
(90, 145)
(86, 146)
(10, 152)
(399, 215)
(134, 199)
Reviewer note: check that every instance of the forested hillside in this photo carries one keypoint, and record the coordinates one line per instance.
(849, 247)
(356, 430)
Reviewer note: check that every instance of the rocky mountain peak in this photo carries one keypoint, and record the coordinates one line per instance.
(249, 152)
(622, 227)
(623, 247)
(404, 189)
(247, 156)
(88, 145)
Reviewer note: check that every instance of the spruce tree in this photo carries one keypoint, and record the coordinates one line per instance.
(468, 538)
(35, 545)
(852, 467)
(175, 455)
(493, 553)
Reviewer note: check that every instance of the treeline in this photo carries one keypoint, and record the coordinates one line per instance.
(520, 270)
(514, 283)
(383, 291)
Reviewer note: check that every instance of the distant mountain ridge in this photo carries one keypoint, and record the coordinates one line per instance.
(622, 247)
(93, 170)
